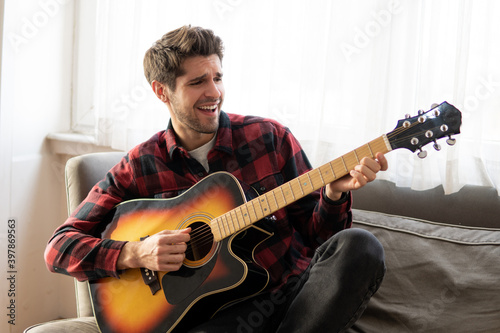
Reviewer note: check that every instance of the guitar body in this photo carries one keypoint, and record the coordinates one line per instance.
(214, 274)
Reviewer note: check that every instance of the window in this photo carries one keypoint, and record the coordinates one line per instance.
(337, 73)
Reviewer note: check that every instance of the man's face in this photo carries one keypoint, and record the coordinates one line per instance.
(196, 103)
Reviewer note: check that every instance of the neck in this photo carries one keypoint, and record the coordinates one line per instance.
(195, 141)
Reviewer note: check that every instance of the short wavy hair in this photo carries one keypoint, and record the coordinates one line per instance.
(163, 61)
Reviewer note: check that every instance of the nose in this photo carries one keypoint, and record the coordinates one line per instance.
(214, 89)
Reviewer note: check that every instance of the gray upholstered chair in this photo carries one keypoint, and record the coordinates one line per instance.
(81, 173)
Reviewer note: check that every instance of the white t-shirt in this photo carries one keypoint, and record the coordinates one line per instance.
(201, 153)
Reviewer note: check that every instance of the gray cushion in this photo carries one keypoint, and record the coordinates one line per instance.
(440, 278)
(83, 325)
(384, 196)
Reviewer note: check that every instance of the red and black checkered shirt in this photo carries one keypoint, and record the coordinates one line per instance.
(259, 152)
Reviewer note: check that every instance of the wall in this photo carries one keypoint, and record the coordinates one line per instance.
(36, 62)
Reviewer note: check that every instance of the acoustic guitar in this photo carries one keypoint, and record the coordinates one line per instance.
(219, 267)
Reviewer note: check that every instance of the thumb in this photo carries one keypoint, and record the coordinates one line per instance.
(174, 231)
(185, 231)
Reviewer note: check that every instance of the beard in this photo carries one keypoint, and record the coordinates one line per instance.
(188, 118)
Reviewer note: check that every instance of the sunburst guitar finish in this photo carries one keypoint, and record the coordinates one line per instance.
(214, 273)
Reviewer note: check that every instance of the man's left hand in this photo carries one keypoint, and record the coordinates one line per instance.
(363, 173)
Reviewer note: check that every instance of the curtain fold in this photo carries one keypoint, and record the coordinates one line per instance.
(337, 73)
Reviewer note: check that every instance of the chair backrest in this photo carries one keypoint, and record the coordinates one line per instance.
(81, 174)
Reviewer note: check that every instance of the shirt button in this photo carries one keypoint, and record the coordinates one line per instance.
(200, 174)
(262, 189)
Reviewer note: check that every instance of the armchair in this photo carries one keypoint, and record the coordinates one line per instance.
(81, 174)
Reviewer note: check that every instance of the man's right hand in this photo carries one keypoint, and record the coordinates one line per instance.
(164, 251)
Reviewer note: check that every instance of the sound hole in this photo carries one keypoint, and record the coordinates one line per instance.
(201, 242)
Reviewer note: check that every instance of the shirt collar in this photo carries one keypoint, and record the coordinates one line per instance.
(224, 137)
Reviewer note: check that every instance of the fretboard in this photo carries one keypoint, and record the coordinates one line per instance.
(293, 190)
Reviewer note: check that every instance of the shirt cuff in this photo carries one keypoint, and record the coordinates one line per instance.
(343, 198)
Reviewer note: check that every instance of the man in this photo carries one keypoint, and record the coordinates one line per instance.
(321, 271)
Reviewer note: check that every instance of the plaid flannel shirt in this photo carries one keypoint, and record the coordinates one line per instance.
(259, 152)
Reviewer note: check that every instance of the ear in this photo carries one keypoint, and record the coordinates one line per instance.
(160, 90)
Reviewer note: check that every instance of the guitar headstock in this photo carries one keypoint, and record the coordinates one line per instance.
(413, 133)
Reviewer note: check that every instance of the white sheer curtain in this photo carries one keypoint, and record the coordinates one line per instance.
(338, 73)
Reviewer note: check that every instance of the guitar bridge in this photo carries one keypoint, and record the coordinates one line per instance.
(150, 277)
(151, 280)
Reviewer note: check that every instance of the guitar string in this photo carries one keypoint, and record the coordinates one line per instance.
(404, 138)
(196, 243)
(202, 233)
(206, 236)
(203, 236)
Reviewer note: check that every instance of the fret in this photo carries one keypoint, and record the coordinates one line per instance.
(254, 217)
(365, 151)
(350, 160)
(235, 221)
(219, 229)
(298, 182)
(235, 213)
(283, 194)
(381, 144)
(260, 206)
(291, 190)
(257, 217)
(321, 177)
(370, 148)
(264, 205)
(270, 203)
(214, 225)
(275, 200)
(230, 222)
(387, 144)
(310, 180)
(343, 162)
(243, 215)
(224, 224)
(302, 183)
(325, 173)
(340, 167)
(331, 168)
(356, 155)
(242, 219)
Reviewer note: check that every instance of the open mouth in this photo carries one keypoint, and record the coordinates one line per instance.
(209, 108)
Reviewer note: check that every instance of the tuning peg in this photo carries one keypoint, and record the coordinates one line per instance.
(451, 141)
(407, 116)
(436, 146)
(420, 112)
(434, 105)
(422, 154)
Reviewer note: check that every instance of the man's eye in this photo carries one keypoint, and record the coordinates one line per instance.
(195, 83)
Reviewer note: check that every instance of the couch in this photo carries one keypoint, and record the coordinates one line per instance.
(442, 255)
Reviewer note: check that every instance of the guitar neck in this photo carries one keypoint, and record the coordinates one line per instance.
(293, 190)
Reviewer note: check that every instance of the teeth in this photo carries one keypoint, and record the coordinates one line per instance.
(208, 107)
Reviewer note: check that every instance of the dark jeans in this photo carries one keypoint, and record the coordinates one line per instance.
(329, 297)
